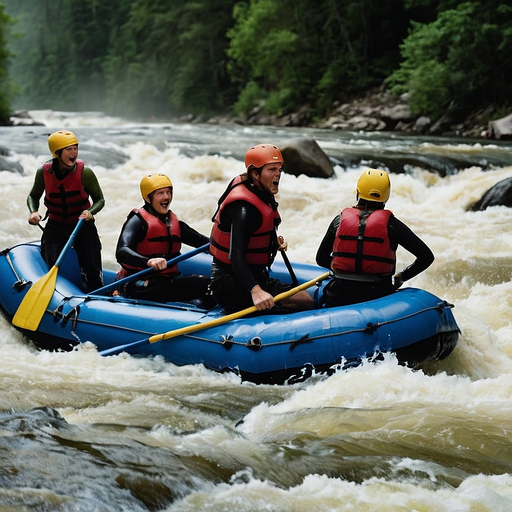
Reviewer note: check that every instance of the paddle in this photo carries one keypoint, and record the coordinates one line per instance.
(212, 323)
(34, 304)
(149, 270)
(295, 282)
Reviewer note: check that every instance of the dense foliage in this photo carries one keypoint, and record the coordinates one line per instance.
(460, 61)
(165, 57)
(5, 84)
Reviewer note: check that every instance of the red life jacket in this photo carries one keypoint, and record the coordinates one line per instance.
(261, 250)
(362, 243)
(65, 199)
(161, 240)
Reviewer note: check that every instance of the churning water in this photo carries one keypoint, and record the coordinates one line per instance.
(81, 432)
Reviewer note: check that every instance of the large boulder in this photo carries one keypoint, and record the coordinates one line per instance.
(305, 156)
(501, 128)
(498, 195)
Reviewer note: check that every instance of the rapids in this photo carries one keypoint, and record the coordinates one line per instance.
(81, 432)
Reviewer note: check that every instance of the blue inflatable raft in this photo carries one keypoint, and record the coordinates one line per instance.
(279, 347)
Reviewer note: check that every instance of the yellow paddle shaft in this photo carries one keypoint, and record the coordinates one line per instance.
(233, 316)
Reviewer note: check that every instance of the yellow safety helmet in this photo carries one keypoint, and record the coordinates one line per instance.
(60, 140)
(153, 182)
(262, 154)
(374, 185)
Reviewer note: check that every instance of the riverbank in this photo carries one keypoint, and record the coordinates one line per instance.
(375, 110)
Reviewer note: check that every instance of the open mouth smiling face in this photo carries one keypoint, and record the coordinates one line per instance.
(69, 155)
(161, 199)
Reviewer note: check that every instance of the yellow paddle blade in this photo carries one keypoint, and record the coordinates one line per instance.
(34, 304)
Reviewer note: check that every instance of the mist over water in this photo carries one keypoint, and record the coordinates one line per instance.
(81, 432)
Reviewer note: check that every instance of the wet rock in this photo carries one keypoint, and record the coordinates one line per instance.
(23, 118)
(7, 164)
(498, 195)
(366, 124)
(375, 110)
(422, 124)
(501, 128)
(400, 112)
(305, 156)
(299, 118)
(34, 420)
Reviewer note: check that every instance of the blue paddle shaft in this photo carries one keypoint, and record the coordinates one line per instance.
(149, 270)
(69, 243)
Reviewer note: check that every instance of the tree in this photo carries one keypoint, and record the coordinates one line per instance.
(164, 58)
(5, 83)
(312, 51)
(169, 58)
(458, 62)
(201, 83)
(59, 51)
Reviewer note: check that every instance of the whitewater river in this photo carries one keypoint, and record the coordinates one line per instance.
(81, 432)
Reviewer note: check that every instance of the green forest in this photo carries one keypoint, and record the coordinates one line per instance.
(166, 58)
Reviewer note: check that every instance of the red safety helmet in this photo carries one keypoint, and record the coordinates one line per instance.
(263, 154)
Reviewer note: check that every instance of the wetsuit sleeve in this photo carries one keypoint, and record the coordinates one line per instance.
(245, 219)
(190, 236)
(324, 253)
(37, 191)
(92, 187)
(132, 232)
(402, 235)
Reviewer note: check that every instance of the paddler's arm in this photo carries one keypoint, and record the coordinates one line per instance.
(245, 219)
(92, 187)
(132, 232)
(190, 236)
(413, 244)
(324, 253)
(34, 197)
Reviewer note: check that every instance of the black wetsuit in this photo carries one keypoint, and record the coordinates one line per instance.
(163, 287)
(353, 288)
(231, 284)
